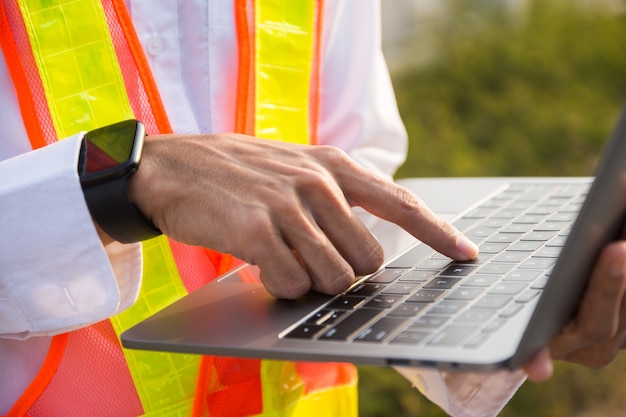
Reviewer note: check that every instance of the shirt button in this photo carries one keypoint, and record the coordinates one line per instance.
(155, 45)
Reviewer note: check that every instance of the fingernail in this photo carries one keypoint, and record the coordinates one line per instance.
(466, 247)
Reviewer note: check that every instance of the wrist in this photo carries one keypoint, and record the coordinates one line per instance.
(110, 156)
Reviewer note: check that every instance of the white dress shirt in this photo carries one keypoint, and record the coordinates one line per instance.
(54, 273)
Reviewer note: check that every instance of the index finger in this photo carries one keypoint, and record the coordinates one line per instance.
(399, 205)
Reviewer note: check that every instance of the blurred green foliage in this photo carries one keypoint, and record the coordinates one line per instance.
(530, 92)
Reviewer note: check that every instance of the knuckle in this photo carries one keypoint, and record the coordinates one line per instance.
(597, 334)
(258, 223)
(340, 282)
(371, 262)
(331, 154)
(406, 202)
(289, 289)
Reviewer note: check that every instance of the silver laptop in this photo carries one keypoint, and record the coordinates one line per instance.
(538, 239)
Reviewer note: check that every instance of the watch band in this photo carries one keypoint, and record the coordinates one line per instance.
(111, 208)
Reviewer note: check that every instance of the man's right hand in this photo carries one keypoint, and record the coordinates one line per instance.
(283, 207)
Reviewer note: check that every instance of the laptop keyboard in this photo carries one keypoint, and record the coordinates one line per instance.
(423, 297)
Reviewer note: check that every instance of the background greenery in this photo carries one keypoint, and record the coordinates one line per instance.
(534, 91)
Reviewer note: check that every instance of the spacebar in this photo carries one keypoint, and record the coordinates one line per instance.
(350, 324)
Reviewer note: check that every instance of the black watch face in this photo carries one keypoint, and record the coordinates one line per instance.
(110, 152)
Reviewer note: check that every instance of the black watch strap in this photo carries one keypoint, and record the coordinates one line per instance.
(111, 208)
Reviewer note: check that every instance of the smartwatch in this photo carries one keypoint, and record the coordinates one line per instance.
(109, 156)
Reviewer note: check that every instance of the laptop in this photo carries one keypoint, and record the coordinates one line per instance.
(538, 240)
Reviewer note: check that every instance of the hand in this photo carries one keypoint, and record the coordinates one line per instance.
(597, 333)
(283, 207)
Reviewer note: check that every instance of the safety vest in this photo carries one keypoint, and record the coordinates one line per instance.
(78, 65)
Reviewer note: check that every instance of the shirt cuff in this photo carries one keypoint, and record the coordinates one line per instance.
(55, 275)
(466, 394)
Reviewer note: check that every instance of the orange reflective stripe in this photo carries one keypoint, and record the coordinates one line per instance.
(43, 378)
(316, 74)
(320, 376)
(233, 387)
(141, 66)
(21, 65)
(245, 86)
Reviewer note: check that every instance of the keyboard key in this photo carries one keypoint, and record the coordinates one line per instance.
(418, 275)
(507, 288)
(457, 270)
(525, 246)
(496, 268)
(548, 252)
(350, 324)
(492, 247)
(427, 322)
(538, 263)
(480, 231)
(493, 302)
(346, 303)
(410, 337)
(503, 238)
(496, 223)
(494, 325)
(382, 301)
(442, 283)
(511, 310)
(551, 226)
(426, 296)
(477, 340)
(305, 331)
(516, 228)
(557, 241)
(479, 280)
(446, 307)
(385, 276)
(408, 309)
(511, 257)
(527, 296)
(378, 331)
(540, 283)
(365, 289)
(464, 223)
(540, 236)
(434, 263)
(325, 317)
(465, 294)
(524, 275)
(400, 288)
(475, 316)
(452, 335)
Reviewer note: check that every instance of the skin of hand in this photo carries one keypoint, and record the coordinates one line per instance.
(281, 206)
(598, 331)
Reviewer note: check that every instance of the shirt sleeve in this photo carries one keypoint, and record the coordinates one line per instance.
(358, 110)
(55, 275)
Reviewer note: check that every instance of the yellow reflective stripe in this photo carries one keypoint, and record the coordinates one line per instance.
(155, 372)
(84, 97)
(80, 97)
(284, 51)
(281, 385)
(283, 395)
(284, 41)
(338, 401)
